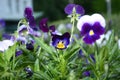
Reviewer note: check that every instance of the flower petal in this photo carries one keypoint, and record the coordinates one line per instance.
(84, 19)
(98, 18)
(86, 73)
(2, 23)
(91, 39)
(19, 52)
(85, 29)
(79, 9)
(52, 28)
(43, 25)
(69, 8)
(32, 23)
(28, 12)
(98, 29)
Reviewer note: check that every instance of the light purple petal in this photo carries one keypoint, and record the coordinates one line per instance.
(69, 8)
(79, 9)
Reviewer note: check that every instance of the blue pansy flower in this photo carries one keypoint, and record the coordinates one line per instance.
(91, 27)
(61, 41)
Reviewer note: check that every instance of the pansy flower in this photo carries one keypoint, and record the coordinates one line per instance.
(28, 13)
(7, 36)
(44, 26)
(61, 41)
(30, 46)
(91, 27)
(5, 44)
(2, 23)
(29, 72)
(18, 53)
(86, 73)
(25, 30)
(69, 9)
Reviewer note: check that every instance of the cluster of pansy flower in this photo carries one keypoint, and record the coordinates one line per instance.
(90, 27)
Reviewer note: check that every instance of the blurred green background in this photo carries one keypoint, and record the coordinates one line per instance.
(54, 9)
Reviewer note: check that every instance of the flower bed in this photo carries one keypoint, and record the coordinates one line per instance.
(44, 53)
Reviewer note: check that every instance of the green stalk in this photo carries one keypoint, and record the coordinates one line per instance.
(72, 31)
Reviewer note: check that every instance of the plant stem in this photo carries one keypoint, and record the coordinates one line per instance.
(73, 23)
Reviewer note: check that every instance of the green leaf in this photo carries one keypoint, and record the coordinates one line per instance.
(10, 52)
(112, 52)
(68, 54)
(45, 47)
(36, 65)
(41, 75)
(3, 63)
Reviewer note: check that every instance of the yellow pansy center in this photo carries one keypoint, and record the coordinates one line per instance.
(60, 45)
(91, 33)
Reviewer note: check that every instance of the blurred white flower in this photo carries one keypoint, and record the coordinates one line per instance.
(4, 45)
(104, 38)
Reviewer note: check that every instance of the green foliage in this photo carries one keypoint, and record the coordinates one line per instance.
(48, 63)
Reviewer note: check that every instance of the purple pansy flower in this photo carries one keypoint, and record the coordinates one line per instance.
(44, 26)
(28, 13)
(61, 41)
(18, 52)
(6, 36)
(91, 27)
(86, 73)
(30, 46)
(2, 23)
(28, 71)
(21, 39)
(69, 9)
(23, 30)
